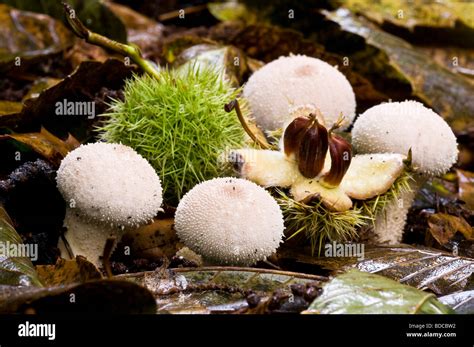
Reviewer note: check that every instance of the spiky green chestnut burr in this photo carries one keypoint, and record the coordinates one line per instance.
(178, 123)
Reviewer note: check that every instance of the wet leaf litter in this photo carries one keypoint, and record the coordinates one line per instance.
(229, 166)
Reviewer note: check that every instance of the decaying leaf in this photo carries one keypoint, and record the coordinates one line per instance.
(267, 43)
(46, 144)
(384, 57)
(462, 302)
(214, 289)
(457, 59)
(38, 87)
(358, 292)
(30, 196)
(26, 35)
(15, 268)
(92, 82)
(424, 22)
(99, 18)
(466, 187)
(141, 30)
(444, 226)
(153, 241)
(79, 270)
(9, 107)
(101, 296)
(187, 50)
(423, 268)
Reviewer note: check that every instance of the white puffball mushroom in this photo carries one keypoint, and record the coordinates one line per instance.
(110, 183)
(390, 223)
(85, 237)
(230, 221)
(395, 127)
(107, 188)
(288, 82)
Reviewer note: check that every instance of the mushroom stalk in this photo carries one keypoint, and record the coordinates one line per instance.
(405, 127)
(86, 238)
(107, 187)
(390, 222)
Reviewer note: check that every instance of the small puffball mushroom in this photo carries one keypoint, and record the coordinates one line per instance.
(107, 187)
(397, 127)
(110, 183)
(86, 238)
(230, 221)
(288, 82)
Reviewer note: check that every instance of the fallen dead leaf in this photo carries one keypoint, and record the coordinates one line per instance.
(46, 144)
(466, 187)
(444, 226)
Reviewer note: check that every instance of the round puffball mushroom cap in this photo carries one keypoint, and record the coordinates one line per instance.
(230, 221)
(298, 80)
(398, 126)
(110, 183)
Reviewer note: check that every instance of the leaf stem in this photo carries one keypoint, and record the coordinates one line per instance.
(234, 105)
(131, 51)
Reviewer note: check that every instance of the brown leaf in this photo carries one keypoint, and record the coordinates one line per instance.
(388, 60)
(444, 226)
(46, 144)
(216, 289)
(141, 30)
(153, 241)
(91, 82)
(466, 187)
(268, 42)
(9, 107)
(64, 271)
(420, 267)
(28, 35)
(100, 296)
(425, 22)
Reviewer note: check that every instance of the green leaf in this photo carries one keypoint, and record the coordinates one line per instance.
(231, 10)
(358, 292)
(14, 271)
(93, 13)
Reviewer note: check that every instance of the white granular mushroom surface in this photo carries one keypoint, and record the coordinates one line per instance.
(288, 82)
(230, 221)
(87, 238)
(398, 126)
(110, 183)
